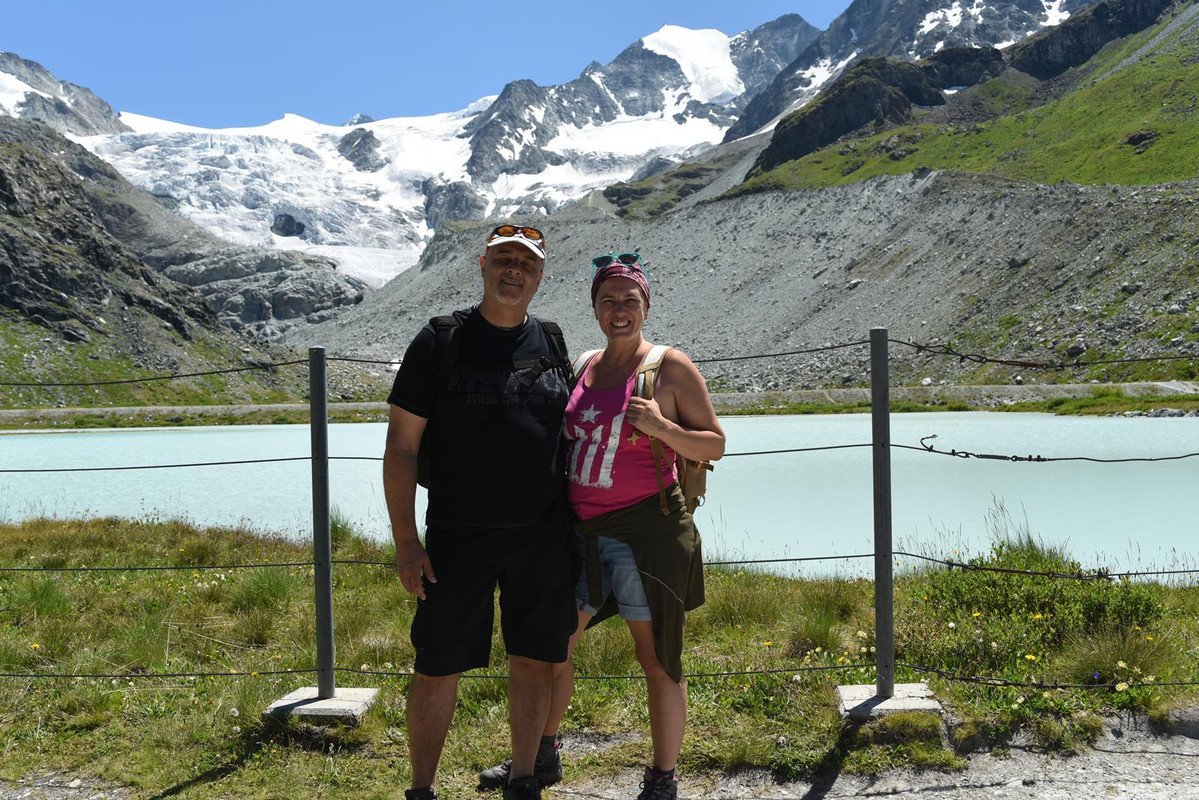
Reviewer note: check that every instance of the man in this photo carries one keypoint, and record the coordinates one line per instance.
(487, 388)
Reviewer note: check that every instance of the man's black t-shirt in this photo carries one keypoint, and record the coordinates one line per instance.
(496, 456)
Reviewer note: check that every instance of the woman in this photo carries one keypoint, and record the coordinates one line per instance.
(643, 554)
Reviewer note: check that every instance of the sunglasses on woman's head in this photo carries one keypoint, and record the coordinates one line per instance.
(628, 259)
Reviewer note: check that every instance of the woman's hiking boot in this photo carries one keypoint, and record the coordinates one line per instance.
(420, 794)
(547, 768)
(659, 786)
(522, 789)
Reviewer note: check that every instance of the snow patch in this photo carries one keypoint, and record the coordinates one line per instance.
(951, 17)
(704, 57)
(628, 136)
(12, 93)
(820, 73)
(1054, 13)
(374, 266)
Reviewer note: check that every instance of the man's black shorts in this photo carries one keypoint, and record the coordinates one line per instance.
(535, 568)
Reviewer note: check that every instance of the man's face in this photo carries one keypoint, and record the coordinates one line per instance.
(511, 274)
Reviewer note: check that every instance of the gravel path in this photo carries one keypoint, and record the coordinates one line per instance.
(1129, 761)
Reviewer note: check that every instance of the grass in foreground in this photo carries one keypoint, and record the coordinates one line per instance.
(203, 736)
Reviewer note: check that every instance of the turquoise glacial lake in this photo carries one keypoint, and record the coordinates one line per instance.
(1129, 516)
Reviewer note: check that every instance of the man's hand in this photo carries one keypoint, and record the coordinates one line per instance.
(412, 564)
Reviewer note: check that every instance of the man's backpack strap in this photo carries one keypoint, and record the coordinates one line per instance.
(647, 376)
(532, 369)
(445, 344)
(445, 356)
(557, 340)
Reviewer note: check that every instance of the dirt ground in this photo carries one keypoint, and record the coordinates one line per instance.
(1129, 761)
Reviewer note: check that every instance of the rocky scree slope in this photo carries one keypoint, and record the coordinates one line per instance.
(256, 290)
(1009, 269)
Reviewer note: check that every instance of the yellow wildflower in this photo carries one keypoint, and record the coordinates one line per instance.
(1030, 657)
(1121, 686)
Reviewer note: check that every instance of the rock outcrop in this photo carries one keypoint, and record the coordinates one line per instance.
(264, 292)
(361, 148)
(287, 225)
(1051, 53)
(875, 91)
(63, 106)
(61, 269)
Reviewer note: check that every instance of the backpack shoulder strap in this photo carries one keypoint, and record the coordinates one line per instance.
(580, 363)
(647, 376)
(445, 344)
(647, 373)
(557, 340)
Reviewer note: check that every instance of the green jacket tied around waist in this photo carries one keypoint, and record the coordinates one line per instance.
(669, 557)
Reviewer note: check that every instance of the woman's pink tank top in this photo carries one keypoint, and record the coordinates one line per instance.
(611, 464)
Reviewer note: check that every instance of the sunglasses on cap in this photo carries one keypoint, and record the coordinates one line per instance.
(628, 259)
(524, 231)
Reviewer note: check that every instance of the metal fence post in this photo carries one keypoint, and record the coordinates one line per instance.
(884, 607)
(322, 545)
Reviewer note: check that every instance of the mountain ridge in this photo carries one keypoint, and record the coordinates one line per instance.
(894, 28)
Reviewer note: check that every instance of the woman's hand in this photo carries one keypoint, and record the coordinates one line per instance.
(646, 416)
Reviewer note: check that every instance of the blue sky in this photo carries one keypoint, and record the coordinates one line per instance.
(222, 63)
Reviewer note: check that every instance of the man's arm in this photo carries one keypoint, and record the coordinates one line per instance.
(404, 431)
(686, 420)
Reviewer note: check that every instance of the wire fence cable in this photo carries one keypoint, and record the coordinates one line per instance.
(171, 377)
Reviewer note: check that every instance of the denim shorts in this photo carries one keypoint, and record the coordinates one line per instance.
(622, 579)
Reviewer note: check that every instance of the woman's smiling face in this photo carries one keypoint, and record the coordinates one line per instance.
(620, 308)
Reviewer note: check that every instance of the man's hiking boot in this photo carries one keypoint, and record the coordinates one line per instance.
(522, 789)
(658, 787)
(420, 794)
(547, 769)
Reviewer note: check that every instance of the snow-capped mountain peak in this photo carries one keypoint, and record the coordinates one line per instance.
(705, 59)
(297, 184)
